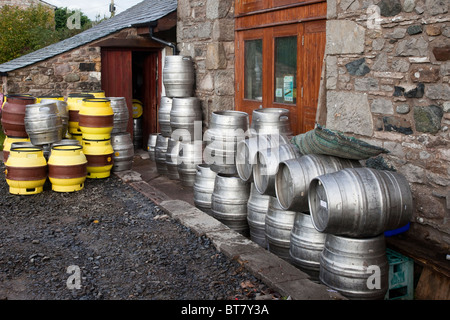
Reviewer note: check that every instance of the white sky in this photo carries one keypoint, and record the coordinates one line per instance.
(92, 8)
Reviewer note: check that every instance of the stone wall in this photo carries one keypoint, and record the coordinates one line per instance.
(76, 70)
(387, 82)
(205, 31)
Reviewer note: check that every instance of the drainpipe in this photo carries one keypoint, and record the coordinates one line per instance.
(151, 26)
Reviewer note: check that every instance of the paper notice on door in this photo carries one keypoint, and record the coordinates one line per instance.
(289, 88)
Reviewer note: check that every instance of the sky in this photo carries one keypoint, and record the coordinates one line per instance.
(92, 8)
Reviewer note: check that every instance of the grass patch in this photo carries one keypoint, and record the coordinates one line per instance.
(2, 137)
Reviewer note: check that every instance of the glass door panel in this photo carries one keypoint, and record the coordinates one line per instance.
(253, 69)
(285, 77)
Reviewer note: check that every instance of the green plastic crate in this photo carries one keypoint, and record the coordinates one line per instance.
(401, 276)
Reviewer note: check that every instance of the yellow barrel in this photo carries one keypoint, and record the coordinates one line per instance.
(99, 154)
(98, 93)
(74, 102)
(7, 145)
(96, 119)
(137, 109)
(67, 168)
(26, 170)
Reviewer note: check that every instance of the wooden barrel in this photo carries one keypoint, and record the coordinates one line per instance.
(67, 168)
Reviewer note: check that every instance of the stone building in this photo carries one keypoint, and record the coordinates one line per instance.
(117, 56)
(26, 3)
(385, 80)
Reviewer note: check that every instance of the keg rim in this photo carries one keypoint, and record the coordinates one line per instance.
(27, 149)
(20, 96)
(102, 100)
(80, 95)
(66, 146)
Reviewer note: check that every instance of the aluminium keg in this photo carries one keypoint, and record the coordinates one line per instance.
(164, 116)
(226, 129)
(267, 164)
(67, 168)
(43, 123)
(257, 207)
(185, 115)
(62, 110)
(306, 245)
(360, 202)
(294, 176)
(246, 152)
(178, 76)
(121, 114)
(26, 170)
(123, 151)
(13, 115)
(160, 154)
(151, 145)
(190, 155)
(356, 268)
(278, 226)
(229, 202)
(172, 159)
(137, 132)
(204, 187)
(271, 121)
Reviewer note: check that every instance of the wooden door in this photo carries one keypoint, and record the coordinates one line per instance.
(313, 53)
(150, 96)
(117, 77)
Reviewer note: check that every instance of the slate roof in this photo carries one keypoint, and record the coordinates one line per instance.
(142, 13)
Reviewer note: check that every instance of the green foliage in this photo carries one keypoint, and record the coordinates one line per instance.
(27, 30)
(24, 30)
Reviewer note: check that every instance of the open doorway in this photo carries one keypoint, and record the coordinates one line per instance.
(133, 73)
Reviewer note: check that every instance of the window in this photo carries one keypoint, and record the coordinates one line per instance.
(253, 70)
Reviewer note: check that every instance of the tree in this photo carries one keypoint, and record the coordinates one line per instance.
(24, 30)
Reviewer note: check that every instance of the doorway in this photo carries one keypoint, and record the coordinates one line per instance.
(133, 73)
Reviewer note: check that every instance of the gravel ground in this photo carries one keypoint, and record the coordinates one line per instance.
(123, 245)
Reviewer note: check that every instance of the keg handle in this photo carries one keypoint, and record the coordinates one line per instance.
(284, 117)
(187, 58)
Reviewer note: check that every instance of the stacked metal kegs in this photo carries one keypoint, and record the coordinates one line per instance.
(179, 76)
